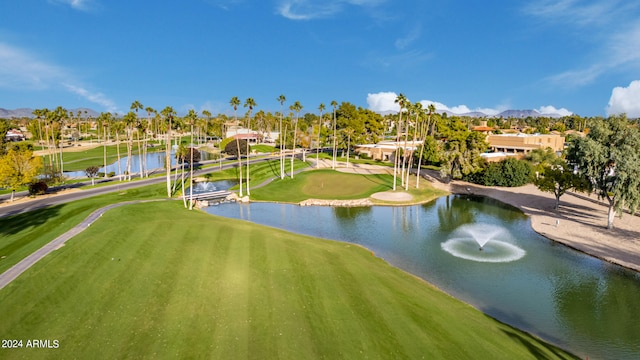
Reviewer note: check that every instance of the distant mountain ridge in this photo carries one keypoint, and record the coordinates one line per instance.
(521, 114)
(504, 114)
(28, 113)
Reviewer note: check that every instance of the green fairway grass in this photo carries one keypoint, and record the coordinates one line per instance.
(154, 280)
(21, 235)
(262, 148)
(323, 184)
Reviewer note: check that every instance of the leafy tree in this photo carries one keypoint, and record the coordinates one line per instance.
(92, 172)
(4, 128)
(232, 147)
(461, 153)
(559, 178)
(18, 167)
(515, 172)
(541, 158)
(608, 158)
(510, 172)
(429, 152)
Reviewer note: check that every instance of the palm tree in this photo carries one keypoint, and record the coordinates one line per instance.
(104, 120)
(168, 113)
(130, 119)
(417, 109)
(250, 103)
(133, 123)
(192, 116)
(431, 109)
(117, 128)
(181, 157)
(321, 108)
(334, 104)
(234, 103)
(40, 113)
(149, 111)
(207, 114)
(349, 132)
(295, 107)
(409, 108)
(400, 100)
(61, 115)
(281, 99)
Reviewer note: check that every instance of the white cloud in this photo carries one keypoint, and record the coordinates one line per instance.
(574, 11)
(82, 5)
(94, 97)
(552, 110)
(384, 102)
(625, 100)
(22, 70)
(608, 24)
(313, 9)
(461, 109)
(412, 36)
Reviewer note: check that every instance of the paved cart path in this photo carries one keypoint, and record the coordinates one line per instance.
(17, 269)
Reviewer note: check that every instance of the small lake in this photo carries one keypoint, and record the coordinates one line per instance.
(154, 160)
(578, 302)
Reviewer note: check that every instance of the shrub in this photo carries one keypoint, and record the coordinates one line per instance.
(509, 173)
(232, 149)
(38, 188)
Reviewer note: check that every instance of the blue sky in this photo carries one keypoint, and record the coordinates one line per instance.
(565, 56)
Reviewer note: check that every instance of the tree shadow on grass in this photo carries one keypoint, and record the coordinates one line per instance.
(537, 347)
(13, 224)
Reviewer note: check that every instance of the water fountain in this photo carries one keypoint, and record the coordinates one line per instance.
(483, 243)
(203, 187)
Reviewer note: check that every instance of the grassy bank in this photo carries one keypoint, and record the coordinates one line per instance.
(25, 233)
(156, 281)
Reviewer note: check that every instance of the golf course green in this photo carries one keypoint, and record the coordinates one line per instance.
(154, 280)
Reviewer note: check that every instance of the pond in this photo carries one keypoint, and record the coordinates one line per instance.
(578, 302)
(154, 160)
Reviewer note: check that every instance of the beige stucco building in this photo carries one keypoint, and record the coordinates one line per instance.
(523, 143)
(385, 150)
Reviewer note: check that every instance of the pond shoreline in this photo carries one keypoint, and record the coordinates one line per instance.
(580, 222)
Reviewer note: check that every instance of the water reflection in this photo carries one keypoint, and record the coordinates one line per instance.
(154, 160)
(583, 304)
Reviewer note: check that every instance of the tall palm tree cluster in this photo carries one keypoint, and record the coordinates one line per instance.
(419, 124)
(142, 125)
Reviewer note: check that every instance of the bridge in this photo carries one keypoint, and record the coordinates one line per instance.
(211, 195)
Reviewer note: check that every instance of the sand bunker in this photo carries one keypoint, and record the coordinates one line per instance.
(392, 196)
